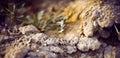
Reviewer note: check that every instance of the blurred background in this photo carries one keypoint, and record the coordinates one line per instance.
(29, 6)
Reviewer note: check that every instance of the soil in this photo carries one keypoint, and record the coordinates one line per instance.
(91, 30)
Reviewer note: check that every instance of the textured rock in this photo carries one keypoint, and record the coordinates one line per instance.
(74, 41)
(71, 49)
(105, 15)
(88, 29)
(118, 52)
(28, 29)
(56, 49)
(17, 52)
(104, 33)
(92, 15)
(62, 41)
(85, 44)
(38, 37)
(42, 54)
(85, 56)
(52, 47)
(80, 40)
(3, 37)
(110, 52)
(52, 41)
(71, 41)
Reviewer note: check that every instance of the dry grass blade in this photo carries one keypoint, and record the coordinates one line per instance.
(118, 33)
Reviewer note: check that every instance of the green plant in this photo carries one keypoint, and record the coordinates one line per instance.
(40, 20)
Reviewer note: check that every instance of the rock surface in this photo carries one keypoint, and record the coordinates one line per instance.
(28, 29)
(88, 37)
(85, 44)
(39, 45)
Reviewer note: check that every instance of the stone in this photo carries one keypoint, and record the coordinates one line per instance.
(46, 48)
(74, 41)
(104, 34)
(110, 52)
(88, 29)
(17, 52)
(48, 54)
(38, 37)
(118, 52)
(84, 56)
(42, 54)
(85, 44)
(56, 49)
(71, 49)
(105, 15)
(62, 41)
(28, 29)
(52, 41)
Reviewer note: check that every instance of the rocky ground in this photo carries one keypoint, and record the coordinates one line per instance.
(88, 29)
(33, 44)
